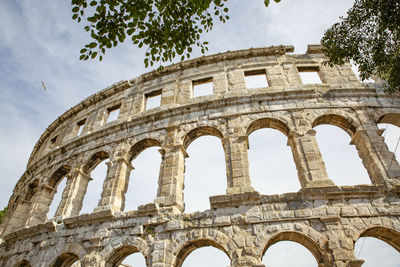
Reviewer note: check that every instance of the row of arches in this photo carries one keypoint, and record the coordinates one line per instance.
(66, 173)
(307, 251)
(260, 184)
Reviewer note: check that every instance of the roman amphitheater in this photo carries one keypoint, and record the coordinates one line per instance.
(325, 218)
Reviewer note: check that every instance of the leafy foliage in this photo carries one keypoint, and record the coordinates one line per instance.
(369, 36)
(2, 213)
(169, 28)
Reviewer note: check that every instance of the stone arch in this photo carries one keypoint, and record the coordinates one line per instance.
(201, 131)
(195, 244)
(45, 196)
(114, 255)
(266, 129)
(23, 263)
(57, 176)
(140, 146)
(312, 245)
(53, 182)
(268, 123)
(65, 260)
(336, 120)
(203, 238)
(391, 118)
(95, 160)
(388, 235)
(69, 254)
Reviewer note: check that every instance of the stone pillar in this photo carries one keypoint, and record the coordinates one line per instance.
(17, 219)
(172, 174)
(185, 91)
(381, 164)
(307, 156)
(41, 204)
(237, 164)
(171, 178)
(73, 194)
(115, 185)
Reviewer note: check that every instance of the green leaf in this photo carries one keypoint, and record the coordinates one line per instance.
(92, 45)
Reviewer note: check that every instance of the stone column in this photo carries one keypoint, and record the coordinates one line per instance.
(172, 173)
(73, 194)
(17, 219)
(171, 178)
(41, 204)
(381, 164)
(307, 156)
(115, 185)
(237, 164)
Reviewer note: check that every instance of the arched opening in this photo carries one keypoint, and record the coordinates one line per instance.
(23, 263)
(143, 179)
(57, 199)
(205, 174)
(288, 254)
(343, 164)
(292, 249)
(376, 252)
(66, 260)
(390, 123)
(58, 181)
(96, 169)
(202, 253)
(127, 256)
(271, 164)
(378, 246)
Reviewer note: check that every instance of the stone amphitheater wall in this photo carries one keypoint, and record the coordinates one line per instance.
(325, 218)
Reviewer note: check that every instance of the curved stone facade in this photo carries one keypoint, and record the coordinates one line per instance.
(325, 218)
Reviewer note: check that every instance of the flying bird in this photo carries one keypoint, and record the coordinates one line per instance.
(44, 86)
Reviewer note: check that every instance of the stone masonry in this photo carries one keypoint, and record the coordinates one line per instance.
(325, 218)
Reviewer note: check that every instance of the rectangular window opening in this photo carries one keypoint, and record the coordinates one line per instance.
(80, 125)
(203, 87)
(153, 99)
(53, 142)
(256, 79)
(309, 75)
(113, 113)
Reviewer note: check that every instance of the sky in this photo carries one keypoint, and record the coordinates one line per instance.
(40, 43)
